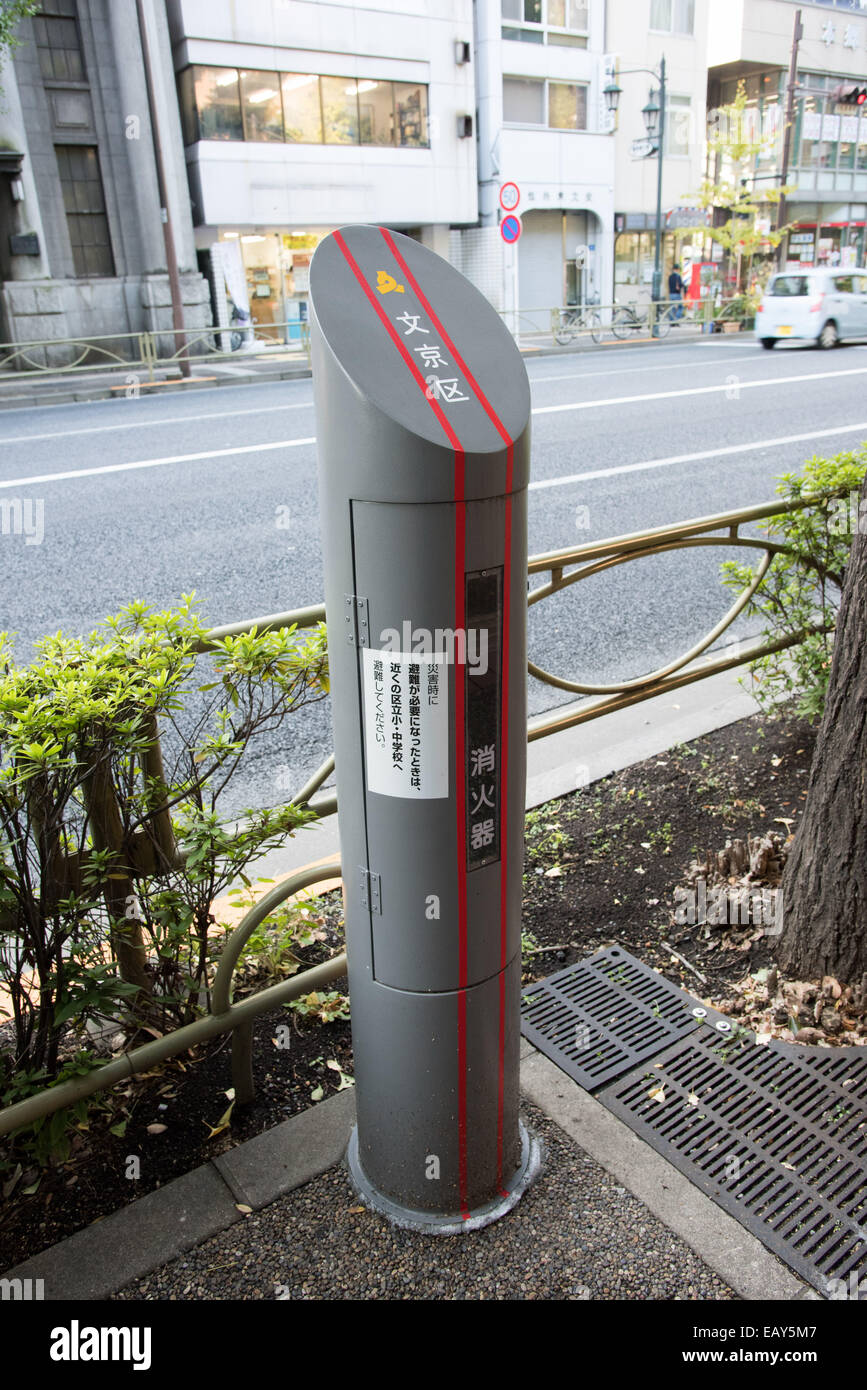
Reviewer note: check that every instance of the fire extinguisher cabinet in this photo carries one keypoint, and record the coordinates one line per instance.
(423, 436)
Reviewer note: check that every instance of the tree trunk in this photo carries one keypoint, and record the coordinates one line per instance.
(825, 879)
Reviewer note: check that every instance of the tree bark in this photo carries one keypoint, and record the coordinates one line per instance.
(825, 880)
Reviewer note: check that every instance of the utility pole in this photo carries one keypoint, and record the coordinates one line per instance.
(797, 35)
(656, 291)
(168, 237)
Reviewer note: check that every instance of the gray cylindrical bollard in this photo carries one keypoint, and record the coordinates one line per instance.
(422, 411)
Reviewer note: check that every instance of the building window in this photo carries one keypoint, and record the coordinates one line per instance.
(301, 108)
(410, 104)
(56, 32)
(567, 106)
(302, 114)
(523, 101)
(376, 112)
(829, 143)
(678, 124)
(566, 20)
(563, 106)
(261, 106)
(211, 104)
(187, 103)
(339, 110)
(673, 16)
(563, 22)
(762, 119)
(84, 202)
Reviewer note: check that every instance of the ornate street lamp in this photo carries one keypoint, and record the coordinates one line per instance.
(651, 114)
(654, 122)
(612, 94)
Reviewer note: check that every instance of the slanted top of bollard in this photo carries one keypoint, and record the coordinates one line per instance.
(418, 340)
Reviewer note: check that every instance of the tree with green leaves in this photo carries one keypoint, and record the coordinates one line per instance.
(734, 144)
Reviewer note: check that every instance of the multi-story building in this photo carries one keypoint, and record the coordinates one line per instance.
(542, 128)
(751, 42)
(300, 117)
(283, 119)
(81, 235)
(640, 34)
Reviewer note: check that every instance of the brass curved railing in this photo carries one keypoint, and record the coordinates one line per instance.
(207, 340)
(142, 349)
(594, 557)
(597, 557)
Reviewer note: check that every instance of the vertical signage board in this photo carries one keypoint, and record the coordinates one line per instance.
(423, 434)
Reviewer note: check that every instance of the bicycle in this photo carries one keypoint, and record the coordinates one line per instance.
(578, 320)
(627, 320)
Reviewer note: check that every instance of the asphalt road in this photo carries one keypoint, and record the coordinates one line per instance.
(216, 492)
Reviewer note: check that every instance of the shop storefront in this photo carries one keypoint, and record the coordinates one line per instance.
(814, 241)
(275, 267)
(635, 245)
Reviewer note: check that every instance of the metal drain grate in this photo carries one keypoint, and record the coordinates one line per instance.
(601, 1017)
(775, 1134)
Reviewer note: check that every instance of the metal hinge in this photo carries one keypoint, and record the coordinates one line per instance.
(357, 628)
(371, 896)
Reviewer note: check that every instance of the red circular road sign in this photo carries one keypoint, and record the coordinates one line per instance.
(510, 196)
(510, 229)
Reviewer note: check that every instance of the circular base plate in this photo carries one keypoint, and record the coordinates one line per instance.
(451, 1224)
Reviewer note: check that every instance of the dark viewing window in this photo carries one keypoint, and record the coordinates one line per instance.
(56, 31)
(84, 202)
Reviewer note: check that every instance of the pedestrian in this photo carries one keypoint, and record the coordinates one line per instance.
(675, 292)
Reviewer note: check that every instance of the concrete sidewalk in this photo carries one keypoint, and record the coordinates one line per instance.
(18, 390)
(276, 1217)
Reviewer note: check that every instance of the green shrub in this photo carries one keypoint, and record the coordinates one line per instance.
(114, 758)
(802, 587)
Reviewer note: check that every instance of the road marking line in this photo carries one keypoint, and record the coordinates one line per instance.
(147, 424)
(628, 371)
(311, 439)
(693, 458)
(697, 391)
(155, 463)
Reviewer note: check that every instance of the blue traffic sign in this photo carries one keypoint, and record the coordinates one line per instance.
(510, 228)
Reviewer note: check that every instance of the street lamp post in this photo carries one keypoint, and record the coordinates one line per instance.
(654, 121)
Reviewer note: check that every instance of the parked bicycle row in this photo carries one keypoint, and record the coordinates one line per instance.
(625, 320)
(641, 318)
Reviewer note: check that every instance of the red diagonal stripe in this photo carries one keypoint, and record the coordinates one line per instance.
(428, 308)
(401, 347)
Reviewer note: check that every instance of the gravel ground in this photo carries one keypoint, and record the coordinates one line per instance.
(574, 1235)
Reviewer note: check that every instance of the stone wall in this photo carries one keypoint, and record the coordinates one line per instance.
(45, 311)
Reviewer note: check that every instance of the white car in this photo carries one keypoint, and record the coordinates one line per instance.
(819, 306)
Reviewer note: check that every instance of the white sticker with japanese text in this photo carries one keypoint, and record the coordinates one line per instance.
(406, 724)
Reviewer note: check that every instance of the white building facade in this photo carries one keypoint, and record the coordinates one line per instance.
(301, 117)
(640, 33)
(542, 128)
